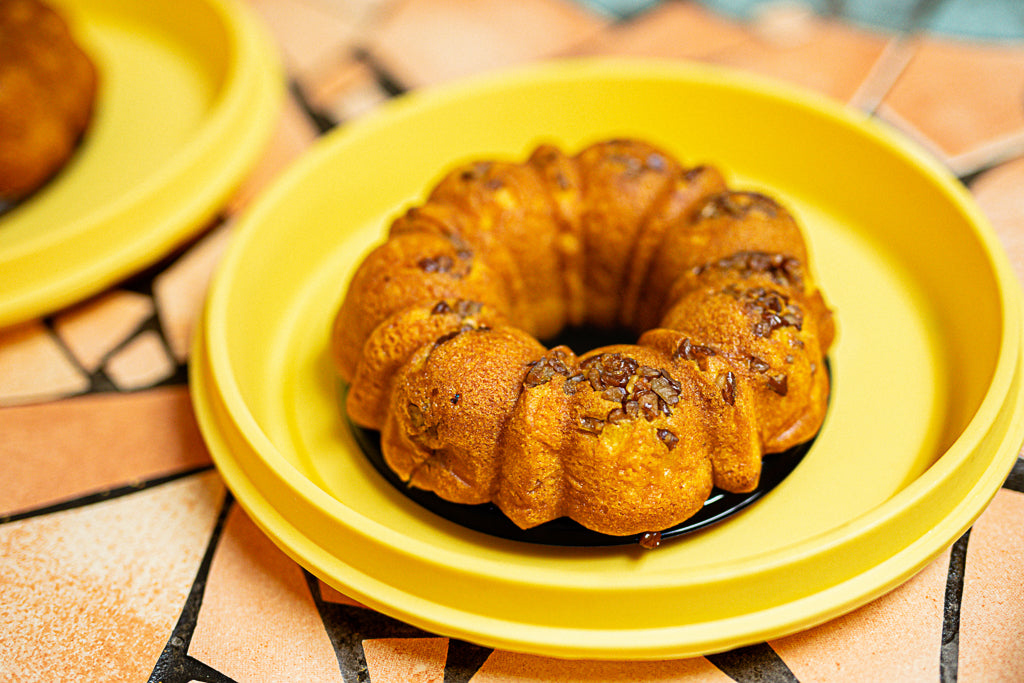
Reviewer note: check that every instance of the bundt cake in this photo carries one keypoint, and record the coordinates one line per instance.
(438, 332)
(47, 88)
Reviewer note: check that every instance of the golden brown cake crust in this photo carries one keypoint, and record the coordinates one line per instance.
(47, 88)
(437, 336)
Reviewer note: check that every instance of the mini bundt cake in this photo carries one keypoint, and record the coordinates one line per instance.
(438, 332)
(47, 89)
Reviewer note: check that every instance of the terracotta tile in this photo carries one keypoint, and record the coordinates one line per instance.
(33, 367)
(258, 620)
(992, 609)
(92, 330)
(406, 660)
(308, 33)
(140, 363)
(94, 593)
(358, 12)
(860, 646)
(960, 95)
(423, 42)
(330, 594)
(55, 451)
(180, 290)
(822, 55)
(295, 133)
(509, 667)
(669, 30)
(347, 92)
(998, 193)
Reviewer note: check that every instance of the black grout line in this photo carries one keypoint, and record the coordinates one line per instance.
(753, 664)
(322, 121)
(101, 496)
(174, 664)
(1015, 482)
(388, 83)
(949, 654)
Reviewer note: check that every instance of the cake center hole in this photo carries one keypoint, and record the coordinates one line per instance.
(587, 337)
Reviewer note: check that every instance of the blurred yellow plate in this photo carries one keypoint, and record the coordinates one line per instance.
(926, 419)
(188, 96)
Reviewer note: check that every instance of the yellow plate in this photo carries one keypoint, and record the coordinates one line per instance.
(189, 93)
(926, 418)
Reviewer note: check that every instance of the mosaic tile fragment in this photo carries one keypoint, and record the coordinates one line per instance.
(308, 34)
(93, 329)
(406, 660)
(94, 591)
(998, 193)
(670, 30)
(180, 290)
(830, 58)
(960, 95)
(860, 645)
(141, 363)
(295, 133)
(58, 451)
(509, 667)
(258, 620)
(992, 608)
(424, 42)
(33, 366)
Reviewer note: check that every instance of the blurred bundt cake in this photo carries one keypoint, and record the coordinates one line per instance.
(47, 88)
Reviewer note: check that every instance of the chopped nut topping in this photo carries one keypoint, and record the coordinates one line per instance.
(572, 383)
(739, 204)
(727, 385)
(543, 369)
(782, 269)
(442, 263)
(772, 309)
(650, 539)
(696, 352)
(593, 425)
(779, 384)
(668, 438)
(757, 365)
(465, 309)
(617, 416)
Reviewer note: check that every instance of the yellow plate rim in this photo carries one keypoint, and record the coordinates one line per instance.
(215, 391)
(174, 202)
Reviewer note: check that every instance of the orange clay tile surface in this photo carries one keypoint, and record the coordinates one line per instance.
(677, 30)
(142, 362)
(992, 612)
(180, 290)
(823, 55)
(415, 660)
(310, 33)
(257, 615)
(105, 440)
(999, 193)
(94, 592)
(960, 95)
(506, 667)
(295, 133)
(424, 42)
(93, 328)
(34, 367)
(861, 646)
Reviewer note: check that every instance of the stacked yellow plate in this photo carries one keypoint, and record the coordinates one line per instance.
(189, 93)
(926, 417)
